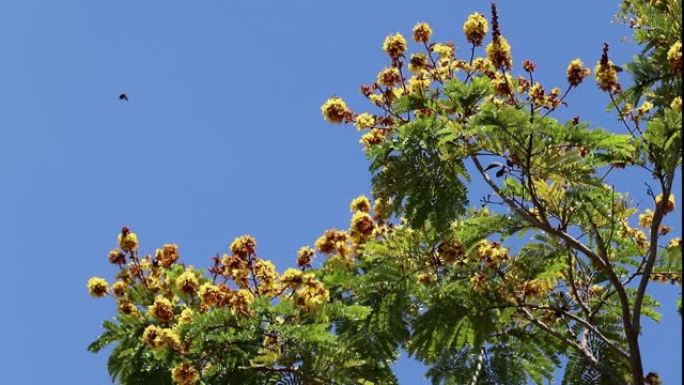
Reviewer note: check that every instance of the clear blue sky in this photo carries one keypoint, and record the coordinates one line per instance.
(222, 136)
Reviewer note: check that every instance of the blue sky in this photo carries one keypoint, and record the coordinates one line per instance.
(222, 136)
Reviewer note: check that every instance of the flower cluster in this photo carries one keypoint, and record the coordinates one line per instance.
(606, 74)
(475, 28)
(166, 296)
(674, 56)
(576, 72)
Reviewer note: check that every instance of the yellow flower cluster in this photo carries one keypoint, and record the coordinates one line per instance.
(635, 235)
(534, 288)
(185, 374)
(267, 276)
(97, 287)
(395, 45)
(335, 110)
(576, 72)
(676, 104)
(646, 219)
(606, 76)
(444, 50)
(119, 289)
(364, 120)
(157, 337)
(674, 56)
(491, 253)
(418, 84)
(668, 205)
(499, 53)
(332, 241)
(372, 137)
(537, 96)
(475, 28)
(362, 224)
(243, 246)
(116, 257)
(422, 33)
(167, 255)
(128, 240)
(210, 295)
(418, 62)
(186, 316)
(389, 76)
(161, 309)
(360, 203)
(305, 256)
(187, 282)
(451, 251)
(310, 294)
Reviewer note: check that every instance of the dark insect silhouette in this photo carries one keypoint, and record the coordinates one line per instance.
(123, 97)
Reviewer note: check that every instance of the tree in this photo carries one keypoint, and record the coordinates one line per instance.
(422, 269)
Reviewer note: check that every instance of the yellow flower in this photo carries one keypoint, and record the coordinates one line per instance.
(478, 281)
(475, 28)
(304, 256)
(644, 108)
(577, 72)
(537, 95)
(243, 246)
(185, 374)
(422, 33)
(152, 336)
(167, 255)
(364, 120)
(418, 62)
(394, 45)
(418, 84)
(373, 137)
(119, 288)
(362, 223)
(451, 251)
(674, 243)
(389, 76)
(187, 282)
(240, 301)
(266, 273)
(668, 206)
(161, 309)
(674, 56)
(210, 294)
(116, 257)
(427, 278)
(170, 338)
(360, 203)
(499, 53)
(312, 295)
(97, 287)
(444, 50)
(502, 84)
(128, 308)
(676, 104)
(377, 99)
(328, 242)
(335, 110)
(606, 76)
(128, 241)
(185, 316)
(292, 278)
(483, 65)
(646, 219)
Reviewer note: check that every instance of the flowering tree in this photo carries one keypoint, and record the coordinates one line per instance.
(421, 269)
